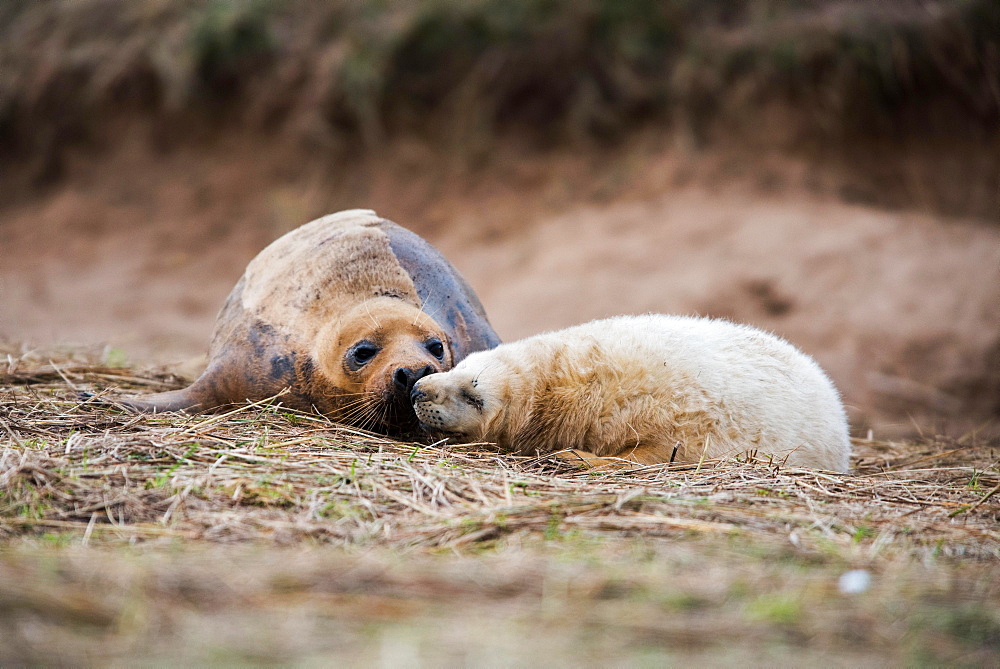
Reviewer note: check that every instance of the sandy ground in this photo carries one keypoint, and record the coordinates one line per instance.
(138, 251)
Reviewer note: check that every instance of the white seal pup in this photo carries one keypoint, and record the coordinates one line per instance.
(643, 389)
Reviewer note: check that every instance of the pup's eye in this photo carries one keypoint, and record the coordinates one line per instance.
(361, 353)
(436, 348)
(471, 400)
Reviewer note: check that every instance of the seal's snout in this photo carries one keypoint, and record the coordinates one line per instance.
(405, 377)
(424, 392)
(425, 407)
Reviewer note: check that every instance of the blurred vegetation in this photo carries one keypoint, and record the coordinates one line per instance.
(353, 74)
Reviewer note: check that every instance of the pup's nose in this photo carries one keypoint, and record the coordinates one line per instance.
(404, 378)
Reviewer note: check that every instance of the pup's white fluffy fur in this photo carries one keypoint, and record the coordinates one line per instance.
(639, 387)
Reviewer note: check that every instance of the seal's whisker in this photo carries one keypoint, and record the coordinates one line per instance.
(358, 417)
(374, 415)
(371, 420)
(486, 367)
(352, 407)
(357, 394)
(348, 414)
(433, 314)
(363, 399)
(378, 326)
(423, 309)
(362, 421)
(358, 410)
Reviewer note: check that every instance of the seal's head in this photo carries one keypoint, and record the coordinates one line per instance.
(374, 355)
(467, 400)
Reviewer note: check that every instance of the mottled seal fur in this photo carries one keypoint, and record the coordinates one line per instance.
(346, 313)
(643, 389)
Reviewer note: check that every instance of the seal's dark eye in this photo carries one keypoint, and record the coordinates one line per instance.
(436, 348)
(361, 353)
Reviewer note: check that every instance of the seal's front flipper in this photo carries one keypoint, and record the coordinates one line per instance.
(628, 458)
(586, 459)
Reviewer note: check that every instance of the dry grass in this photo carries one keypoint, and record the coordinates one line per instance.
(163, 495)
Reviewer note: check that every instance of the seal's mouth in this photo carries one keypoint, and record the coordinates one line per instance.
(399, 413)
(438, 433)
(431, 424)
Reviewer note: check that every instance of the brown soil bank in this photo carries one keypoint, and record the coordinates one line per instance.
(830, 171)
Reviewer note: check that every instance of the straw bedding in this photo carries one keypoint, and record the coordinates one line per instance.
(260, 472)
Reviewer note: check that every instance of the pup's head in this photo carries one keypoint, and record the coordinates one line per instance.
(465, 401)
(374, 355)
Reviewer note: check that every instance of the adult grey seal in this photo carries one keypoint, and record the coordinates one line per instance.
(346, 313)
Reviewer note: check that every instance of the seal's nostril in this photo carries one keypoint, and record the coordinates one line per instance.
(404, 378)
